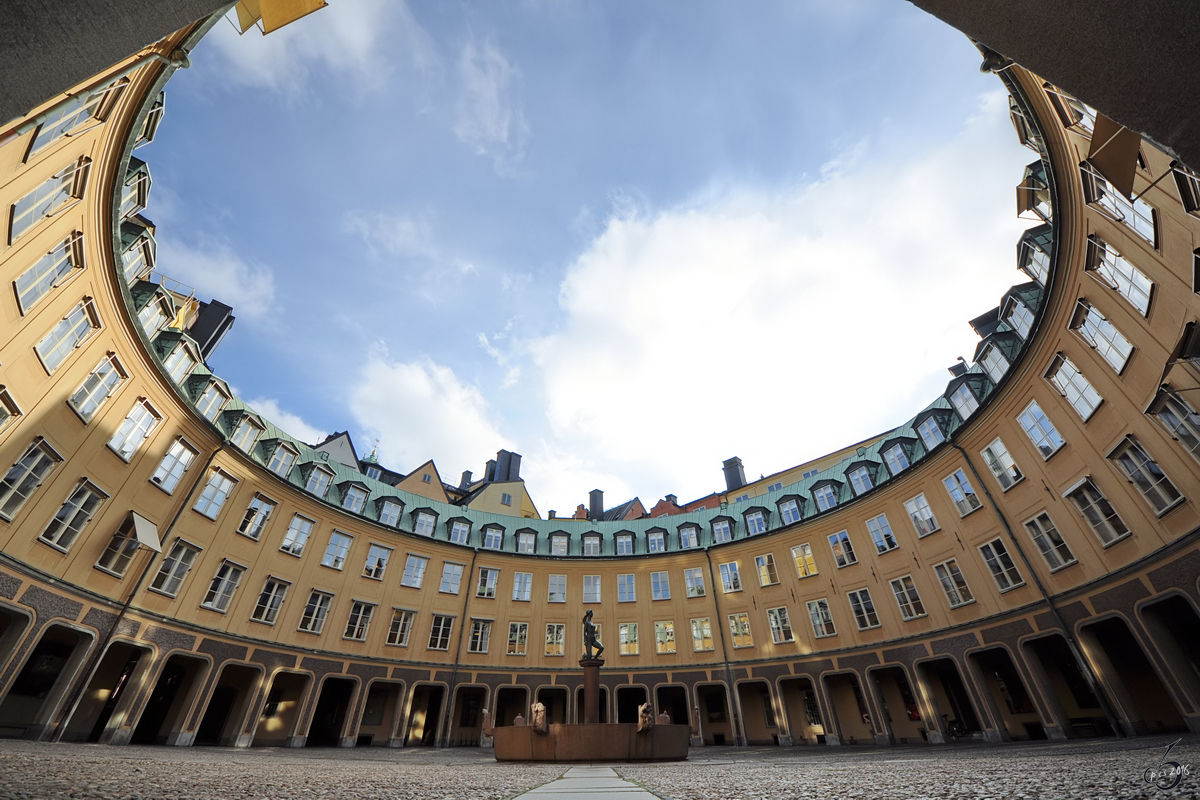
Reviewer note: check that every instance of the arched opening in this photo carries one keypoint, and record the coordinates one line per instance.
(849, 708)
(554, 698)
(951, 702)
(758, 713)
(13, 625)
(629, 699)
(377, 725)
(329, 717)
(510, 702)
(281, 710)
(901, 713)
(1065, 686)
(672, 701)
(603, 704)
(166, 710)
(109, 685)
(423, 714)
(1009, 698)
(466, 727)
(228, 706)
(803, 711)
(1174, 627)
(716, 727)
(40, 685)
(1131, 677)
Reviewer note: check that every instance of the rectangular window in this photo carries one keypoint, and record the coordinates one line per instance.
(1071, 384)
(215, 493)
(73, 516)
(1111, 269)
(953, 583)
(860, 481)
(994, 363)
(775, 487)
(843, 551)
(825, 497)
(25, 476)
(1003, 570)
(71, 115)
(297, 535)
(626, 589)
(134, 430)
(1102, 335)
(481, 634)
(1136, 214)
(282, 460)
(8, 408)
(526, 543)
(120, 551)
(377, 559)
(731, 581)
(556, 639)
(1049, 542)
(178, 458)
(256, 516)
(174, 569)
(451, 577)
(755, 523)
(664, 637)
(660, 586)
(895, 459)
(739, 630)
(318, 481)
(522, 586)
(721, 531)
(486, 587)
(493, 538)
(864, 609)
(881, 534)
(822, 620)
(963, 400)
(921, 515)
(315, 611)
(179, 364)
(1099, 513)
(1041, 431)
(1003, 468)
(702, 638)
(689, 537)
(557, 590)
(400, 628)
(505, 499)
(907, 598)
(213, 401)
(781, 625)
(1188, 183)
(1181, 420)
(270, 600)
(802, 557)
(656, 542)
(558, 545)
(959, 488)
(1019, 318)
(518, 638)
(789, 512)
(389, 513)
(930, 433)
(693, 579)
(48, 198)
(245, 436)
(223, 585)
(625, 545)
(767, 574)
(627, 633)
(154, 316)
(424, 524)
(460, 531)
(100, 385)
(414, 571)
(355, 499)
(591, 545)
(1146, 475)
(439, 633)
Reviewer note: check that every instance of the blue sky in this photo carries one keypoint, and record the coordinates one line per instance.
(627, 240)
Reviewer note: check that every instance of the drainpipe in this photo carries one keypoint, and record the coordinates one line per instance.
(458, 651)
(738, 732)
(1092, 679)
(93, 662)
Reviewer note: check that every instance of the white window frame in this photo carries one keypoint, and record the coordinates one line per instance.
(1001, 464)
(923, 520)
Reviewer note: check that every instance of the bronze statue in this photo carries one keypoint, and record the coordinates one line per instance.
(645, 718)
(590, 640)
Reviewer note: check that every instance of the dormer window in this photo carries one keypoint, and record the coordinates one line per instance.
(930, 433)
(389, 512)
(155, 315)
(493, 537)
(624, 544)
(140, 253)
(526, 542)
(137, 188)
(756, 522)
(460, 531)
(896, 459)
(722, 530)
(212, 402)
(964, 400)
(355, 498)
(789, 511)
(558, 544)
(181, 362)
(1019, 317)
(245, 436)
(656, 541)
(424, 522)
(318, 481)
(860, 480)
(374, 472)
(689, 536)
(591, 545)
(825, 496)
(283, 459)
(994, 363)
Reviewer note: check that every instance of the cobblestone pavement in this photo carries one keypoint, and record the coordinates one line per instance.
(1100, 768)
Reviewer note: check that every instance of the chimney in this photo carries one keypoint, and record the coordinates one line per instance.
(514, 467)
(552, 515)
(735, 476)
(672, 499)
(596, 504)
(466, 479)
(503, 460)
(489, 473)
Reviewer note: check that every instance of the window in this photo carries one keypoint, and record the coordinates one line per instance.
(1146, 475)
(336, 550)
(297, 535)
(660, 586)
(121, 549)
(486, 587)
(739, 629)
(481, 633)
(780, 624)
(1137, 215)
(693, 579)
(664, 638)
(1049, 542)
(69, 116)
(626, 590)
(389, 513)
(557, 589)
(136, 428)
(731, 581)
(789, 512)
(822, 620)
(374, 473)
(1004, 571)
(1005, 470)
(994, 363)
(555, 639)
(100, 385)
(522, 586)
(215, 492)
(48, 198)
(256, 516)
(50, 272)
(881, 534)
(439, 634)
(8, 408)
(930, 433)
(1019, 318)
(825, 497)
(71, 331)
(1041, 431)
(414, 571)
(174, 569)
(451, 577)
(1181, 420)
(1107, 265)
(270, 600)
(1071, 112)
(424, 524)
(627, 633)
(493, 538)
(505, 499)
(355, 499)
(591, 545)
(953, 583)
(558, 545)
(1070, 383)
(358, 621)
(625, 545)
(178, 458)
(518, 638)
(377, 559)
(843, 551)
(689, 536)
(460, 531)
(25, 476)
(1102, 335)
(179, 364)
(860, 480)
(318, 481)
(802, 557)
(154, 316)
(921, 515)
(526, 543)
(959, 488)
(315, 611)
(755, 523)
(767, 574)
(1099, 513)
(721, 531)
(702, 638)
(964, 401)
(400, 628)
(223, 585)
(426, 478)
(139, 257)
(775, 487)
(656, 542)
(864, 609)
(136, 193)
(907, 598)
(808, 473)
(895, 459)
(1188, 183)
(283, 458)
(73, 516)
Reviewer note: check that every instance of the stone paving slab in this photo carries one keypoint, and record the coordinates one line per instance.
(586, 783)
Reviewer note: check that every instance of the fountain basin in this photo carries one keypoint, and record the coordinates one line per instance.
(596, 742)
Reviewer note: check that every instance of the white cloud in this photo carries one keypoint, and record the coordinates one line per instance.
(561, 480)
(289, 422)
(215, 271)
(781, 327)
(392, 233)
(490, 117)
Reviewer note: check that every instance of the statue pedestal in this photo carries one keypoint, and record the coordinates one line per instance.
(591, 689)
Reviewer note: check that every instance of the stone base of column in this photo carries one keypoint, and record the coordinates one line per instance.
(591, 689)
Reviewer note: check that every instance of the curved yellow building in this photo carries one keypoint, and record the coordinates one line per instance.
(1019, 560)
